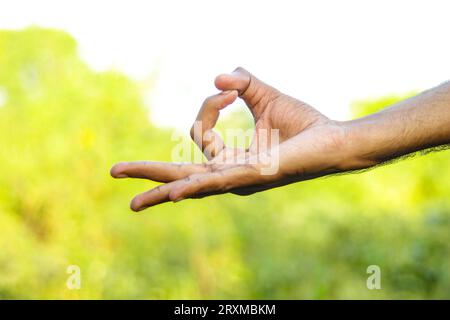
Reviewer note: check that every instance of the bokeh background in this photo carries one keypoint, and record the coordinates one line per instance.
(63, 123)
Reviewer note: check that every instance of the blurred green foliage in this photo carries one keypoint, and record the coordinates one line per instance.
(63, 125)
(364, 107)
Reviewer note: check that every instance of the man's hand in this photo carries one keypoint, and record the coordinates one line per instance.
(308, 144)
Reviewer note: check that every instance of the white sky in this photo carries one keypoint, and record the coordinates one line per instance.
(327, 53)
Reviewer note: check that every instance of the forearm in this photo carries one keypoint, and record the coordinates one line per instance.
(414, 124)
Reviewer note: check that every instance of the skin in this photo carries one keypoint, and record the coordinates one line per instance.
(310, 144)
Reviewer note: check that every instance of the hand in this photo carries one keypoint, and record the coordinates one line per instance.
(309, 145)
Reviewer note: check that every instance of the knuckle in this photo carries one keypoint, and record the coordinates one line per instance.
(209, 167)
(208, 102)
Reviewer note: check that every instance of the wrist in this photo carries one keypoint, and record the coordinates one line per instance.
(358, 150)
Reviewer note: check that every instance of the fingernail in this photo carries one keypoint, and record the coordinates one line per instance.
(224, 93)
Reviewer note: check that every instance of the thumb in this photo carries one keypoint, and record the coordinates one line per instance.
(252, 90)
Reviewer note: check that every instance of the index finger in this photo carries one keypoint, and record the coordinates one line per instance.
(202, 130)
